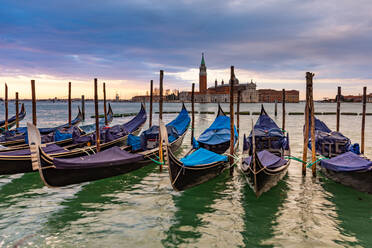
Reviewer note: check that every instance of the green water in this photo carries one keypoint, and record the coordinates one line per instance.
(140, 209)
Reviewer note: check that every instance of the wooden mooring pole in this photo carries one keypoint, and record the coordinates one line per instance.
(6, 107)
(34, 120)
(161, 116)
(151, 99)
(276, 108)
(192, 112)
(238, 113)
(98, 145)
(17, 109)
(338, 108)
(161, 94)
(231, 159)
(69, 104)
(283, 110)
(105, 103)
(306, 129)
(312, 110)
(363, 118)
(83, 106)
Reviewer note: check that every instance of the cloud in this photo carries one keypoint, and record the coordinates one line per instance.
(270, 41)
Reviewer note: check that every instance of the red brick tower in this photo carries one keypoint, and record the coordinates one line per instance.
(203, 76)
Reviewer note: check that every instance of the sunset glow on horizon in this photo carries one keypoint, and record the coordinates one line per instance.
(125, 44)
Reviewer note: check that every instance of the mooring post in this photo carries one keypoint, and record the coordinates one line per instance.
(6, 107)
(276, 108)
(283, 108)
(161, 95)
(338, 108)
(312, 110)
(306, 129)
(161, 115)
(69, 104)
(98, 138)
(151, 99)
(34, 120)
(232, 133)
(238, 113)
(363, 118)
(104, 103)
(17, 110)
(192, 112)
(83, 106)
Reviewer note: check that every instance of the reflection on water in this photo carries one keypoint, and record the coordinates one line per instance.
(140, 209)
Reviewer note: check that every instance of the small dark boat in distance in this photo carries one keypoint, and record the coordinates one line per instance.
(56, 172)
(205, 160)
(12, 120)
(267, 146)
(345, 164)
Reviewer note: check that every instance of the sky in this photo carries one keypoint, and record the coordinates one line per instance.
(126, 43)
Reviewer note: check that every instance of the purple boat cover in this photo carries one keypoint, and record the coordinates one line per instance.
(113, 156)
(49, 149)
(267, 159)
(137, 121)
(347, 161)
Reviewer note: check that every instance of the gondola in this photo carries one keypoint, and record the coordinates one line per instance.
(12, 120)
(17, 137)
(61, 135)
(345, 164)
(56, 172)
(267, 146)
(19, 161)
(206, 159)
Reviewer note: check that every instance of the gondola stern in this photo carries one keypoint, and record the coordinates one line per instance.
(220, 111)
(263, 111)
(35, 143)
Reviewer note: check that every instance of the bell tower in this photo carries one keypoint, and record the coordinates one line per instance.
(202, 76)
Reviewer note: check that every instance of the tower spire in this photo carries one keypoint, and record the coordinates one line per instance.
(202, 61)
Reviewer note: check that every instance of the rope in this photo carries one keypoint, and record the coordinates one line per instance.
(297, 159)
(316, 161)
(155, 161)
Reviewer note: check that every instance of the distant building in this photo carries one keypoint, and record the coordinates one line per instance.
(269, 95)
(220, 92)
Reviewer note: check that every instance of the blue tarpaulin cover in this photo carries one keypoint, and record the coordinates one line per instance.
(267, 159)
(202, 157)
(181, 122)
(175, 129)
(218, 132)
(347, 161)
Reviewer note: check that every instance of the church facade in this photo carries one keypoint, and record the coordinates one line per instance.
(220, 92)
(248, 91)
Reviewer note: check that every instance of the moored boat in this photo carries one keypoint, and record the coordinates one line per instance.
(206, 159)
(344, 163)
(56, 172)
(267, 146)
(13, 120)
(19, 161)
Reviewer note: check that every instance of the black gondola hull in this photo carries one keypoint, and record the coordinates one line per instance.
(22, 164)
(57, 177)
(264, 180)
(359, 180)
(184, 177)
